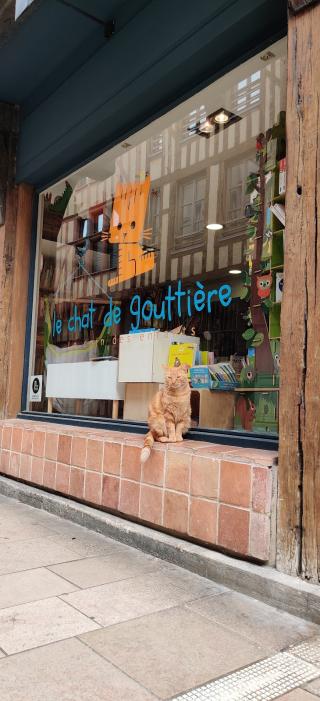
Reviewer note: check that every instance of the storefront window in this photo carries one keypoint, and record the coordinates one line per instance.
(169, 248)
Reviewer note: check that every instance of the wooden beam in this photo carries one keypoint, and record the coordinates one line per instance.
(15, 237)
(19, 298)
(299, 451)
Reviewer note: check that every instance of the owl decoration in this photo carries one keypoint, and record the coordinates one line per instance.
(264, 283)
(276, 363)
(247, 375)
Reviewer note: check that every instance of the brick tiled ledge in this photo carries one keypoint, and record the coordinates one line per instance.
(219, 495)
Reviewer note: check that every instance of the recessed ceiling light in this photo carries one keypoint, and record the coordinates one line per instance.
(214, 227)
(234, 271)
(214, 123)
(221, 117)
(206, 127)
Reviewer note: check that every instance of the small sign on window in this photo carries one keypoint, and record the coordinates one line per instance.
(36, 388)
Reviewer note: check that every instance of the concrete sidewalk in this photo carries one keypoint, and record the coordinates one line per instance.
(85, 618)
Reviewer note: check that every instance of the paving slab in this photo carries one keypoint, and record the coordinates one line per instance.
(314, 686)
(20, 529)
(66, 671)
(172, 651)
(31, 585)
(86, 546)
(193, 583)
(123, 600)
(259, 622)
(28, 554)
(101, 570)
(39, 623)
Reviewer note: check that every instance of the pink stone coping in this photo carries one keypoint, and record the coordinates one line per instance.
(218, 495)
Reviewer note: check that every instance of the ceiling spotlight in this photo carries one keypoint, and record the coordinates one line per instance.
(221, 117)
(206, 127)
(214, 227)
(214, 122)
(235, 272)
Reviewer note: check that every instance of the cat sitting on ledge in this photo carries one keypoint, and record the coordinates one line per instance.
(169, 415)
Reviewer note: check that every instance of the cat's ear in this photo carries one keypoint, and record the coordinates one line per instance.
(185, 367)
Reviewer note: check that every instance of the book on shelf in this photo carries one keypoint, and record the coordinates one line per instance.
(181, 354)
(279, 211)
(279, 286)
(282, 176)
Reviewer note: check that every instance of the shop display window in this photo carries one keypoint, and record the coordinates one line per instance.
(169, 248)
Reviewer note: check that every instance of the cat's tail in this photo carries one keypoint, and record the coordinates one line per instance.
(147, 446)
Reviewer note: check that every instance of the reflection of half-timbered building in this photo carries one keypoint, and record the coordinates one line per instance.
(194, 181)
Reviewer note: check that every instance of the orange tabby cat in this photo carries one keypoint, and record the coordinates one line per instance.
(169, 411)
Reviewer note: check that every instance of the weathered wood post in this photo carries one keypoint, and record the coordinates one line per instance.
(15, 236)
(299, 457)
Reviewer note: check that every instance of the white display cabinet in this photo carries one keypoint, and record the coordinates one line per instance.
(87, 380)
(142, 356)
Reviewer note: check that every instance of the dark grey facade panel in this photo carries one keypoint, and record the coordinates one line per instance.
(164, 52)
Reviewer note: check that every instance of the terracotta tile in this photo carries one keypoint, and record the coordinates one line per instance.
(37, 470)
(253, 455)
(5, 462)
(38, 444)
(131, 466)
(6, 437)
(214, 449)
(25, 467)
(203, 520)
(175, 514)
(51, 446)
(93, 487)
(14, 464)
(16, 441)
(94, 455)
(49, 474)
(260, 536)
(129, 498)
(153, 469)
(178, 471)
(185, 445)
(112, 457)
(64, 449)
(110, 491)
(76, 488)
(233, 529)
(62, 478)
(204, 477)
(27, 441)
(151, 499)
(261, 489)
(235, 483)
(79, 451)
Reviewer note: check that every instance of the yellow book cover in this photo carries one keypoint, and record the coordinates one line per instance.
(181, 353)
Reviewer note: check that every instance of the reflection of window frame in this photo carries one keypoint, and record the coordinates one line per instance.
(189, 123)
(156, 144)
(153, 215)
(183, 240)
(243, 159)
(247, 93)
